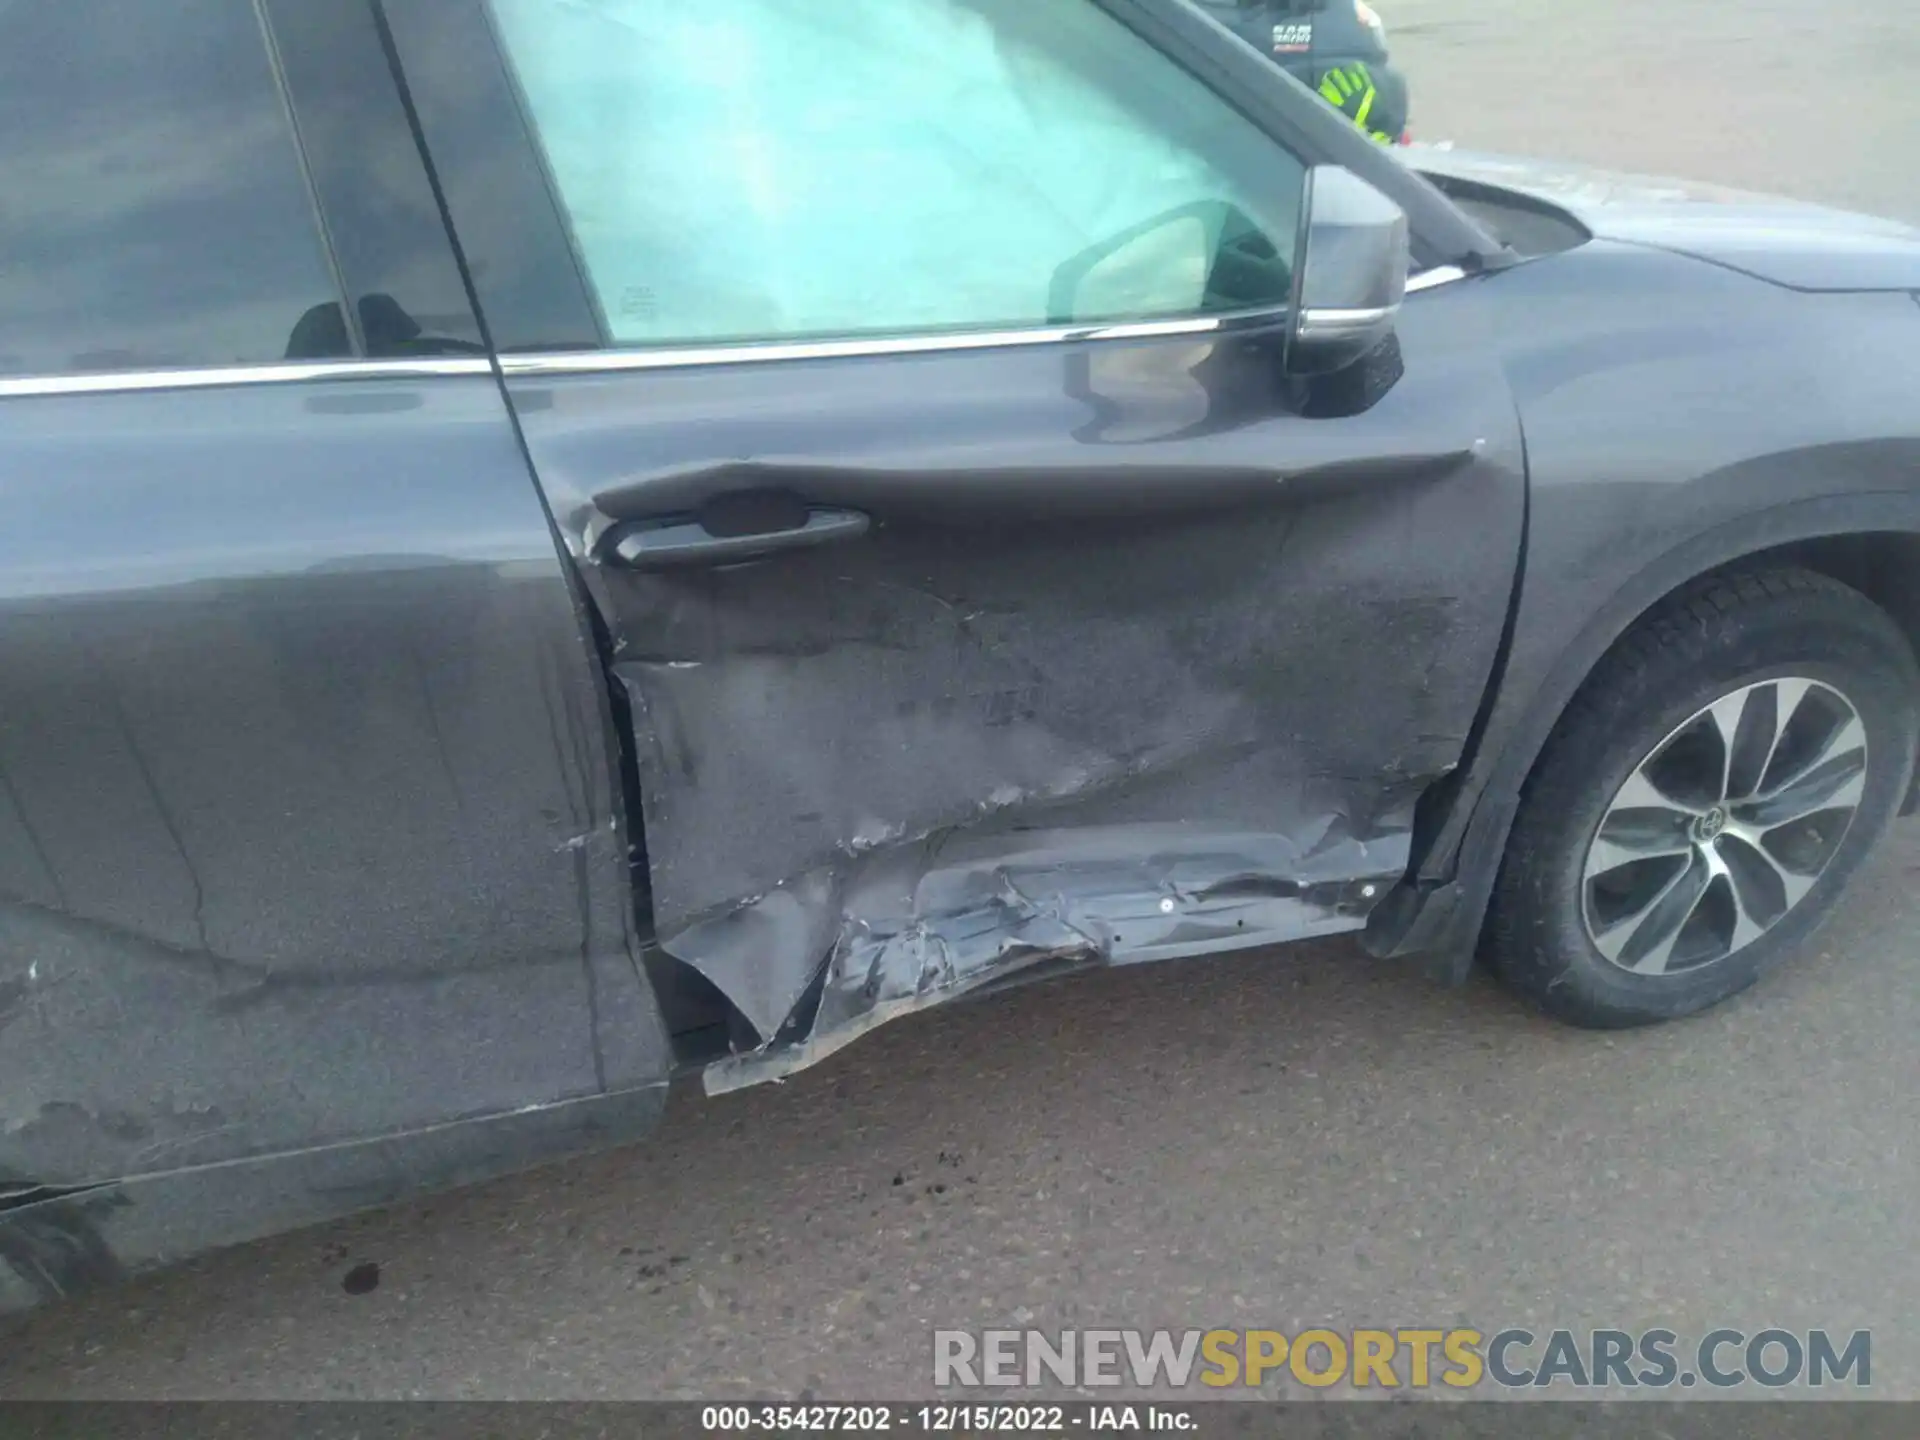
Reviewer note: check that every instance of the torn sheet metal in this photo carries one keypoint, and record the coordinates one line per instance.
(1142, 654)
(979, 911)
(929, 766)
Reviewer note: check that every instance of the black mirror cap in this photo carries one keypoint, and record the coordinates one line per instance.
(1355, 254)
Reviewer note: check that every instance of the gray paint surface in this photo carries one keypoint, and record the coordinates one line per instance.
(1138, 661)
(306, 815)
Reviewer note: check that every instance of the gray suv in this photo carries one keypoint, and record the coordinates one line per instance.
(547, 547)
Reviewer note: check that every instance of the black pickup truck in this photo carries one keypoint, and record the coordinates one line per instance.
(1335, 47)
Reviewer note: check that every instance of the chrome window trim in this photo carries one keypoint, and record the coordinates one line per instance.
(1330, 324)
(673, 357)
(212, 377)
(1434, 278)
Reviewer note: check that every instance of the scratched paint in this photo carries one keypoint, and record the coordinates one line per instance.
(1133, 624)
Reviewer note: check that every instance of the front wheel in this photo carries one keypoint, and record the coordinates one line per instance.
(1701, 806)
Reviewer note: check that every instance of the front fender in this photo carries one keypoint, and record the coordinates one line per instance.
(1438, 911)
(1679, 419)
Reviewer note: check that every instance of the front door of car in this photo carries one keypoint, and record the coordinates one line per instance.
(909, 379)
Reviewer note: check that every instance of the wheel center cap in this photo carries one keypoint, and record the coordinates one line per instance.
(1708, 827)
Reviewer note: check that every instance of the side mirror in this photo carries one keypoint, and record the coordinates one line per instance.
(1353, 273)
(1200, 258)
(1156, 268)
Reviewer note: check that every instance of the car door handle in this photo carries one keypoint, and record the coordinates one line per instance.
(684, 540)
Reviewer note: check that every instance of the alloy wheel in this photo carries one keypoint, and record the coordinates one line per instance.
(1725, 827)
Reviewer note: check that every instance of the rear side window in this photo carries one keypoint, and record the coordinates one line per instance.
(781, 169)
(153, 212)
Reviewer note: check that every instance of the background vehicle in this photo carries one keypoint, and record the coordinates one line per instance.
(418, 773)
(1337, 48)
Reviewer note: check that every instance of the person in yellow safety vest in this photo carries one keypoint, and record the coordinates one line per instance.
(1351, 90)
(1337, 47)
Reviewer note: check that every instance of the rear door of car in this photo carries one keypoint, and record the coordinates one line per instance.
(984, 589)
(308, 823)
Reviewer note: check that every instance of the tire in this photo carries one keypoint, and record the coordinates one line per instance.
(1734, 642)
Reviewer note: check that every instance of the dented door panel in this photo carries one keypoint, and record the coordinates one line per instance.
(1135, 660)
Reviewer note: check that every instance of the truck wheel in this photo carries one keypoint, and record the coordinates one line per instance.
(1703, 802)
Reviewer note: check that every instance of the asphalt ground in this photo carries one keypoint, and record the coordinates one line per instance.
(1280, 1139)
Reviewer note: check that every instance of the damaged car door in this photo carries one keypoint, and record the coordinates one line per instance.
(909, 381)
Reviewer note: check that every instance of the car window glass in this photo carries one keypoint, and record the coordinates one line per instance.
(769, 169)
(388, 238)
(152, 209)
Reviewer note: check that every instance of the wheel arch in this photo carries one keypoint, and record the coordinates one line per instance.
(1870, 541)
